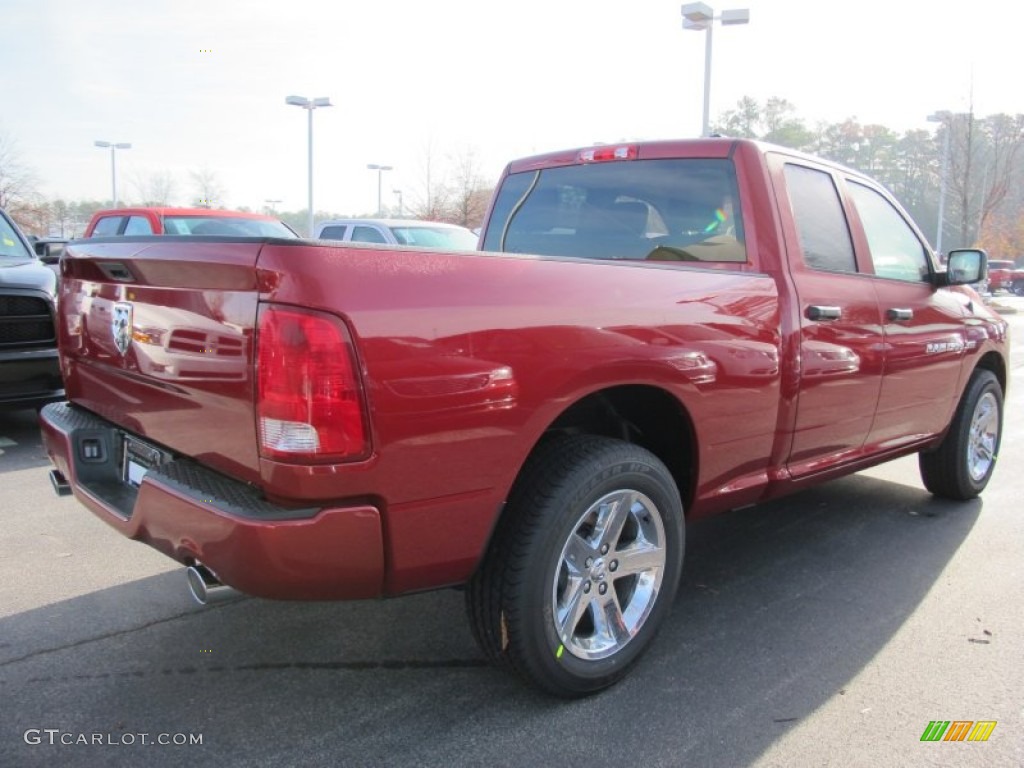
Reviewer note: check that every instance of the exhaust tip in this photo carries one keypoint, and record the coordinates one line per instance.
(60, 484)
(204, 586)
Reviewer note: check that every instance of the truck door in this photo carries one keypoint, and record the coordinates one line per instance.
(839, 374)
(923, 325)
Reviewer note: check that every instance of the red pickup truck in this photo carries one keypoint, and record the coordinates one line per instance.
(651, 332)
(148, 220)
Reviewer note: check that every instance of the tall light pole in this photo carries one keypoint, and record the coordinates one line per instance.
(945, 118)
(309, 105)
(380, 180)
(114, 146)
(701, 17)
(401, 209)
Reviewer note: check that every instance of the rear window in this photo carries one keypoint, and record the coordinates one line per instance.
(367, 235)
(225, 225)
(108, 225)
(436, 237)
(332, 233)
(138, 225)
(671, 210)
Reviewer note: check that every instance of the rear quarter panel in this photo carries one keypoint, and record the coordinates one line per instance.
(468, 359)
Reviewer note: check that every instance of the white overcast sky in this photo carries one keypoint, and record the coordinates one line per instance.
(201, 84)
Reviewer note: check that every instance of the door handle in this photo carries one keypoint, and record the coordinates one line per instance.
(898, 314)
(816, 312)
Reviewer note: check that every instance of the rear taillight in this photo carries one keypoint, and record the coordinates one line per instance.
(309, 398)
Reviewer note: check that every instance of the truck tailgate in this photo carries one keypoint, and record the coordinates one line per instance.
(159, 339)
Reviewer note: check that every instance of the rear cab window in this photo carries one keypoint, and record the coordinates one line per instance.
(138, 225)
(363, 234)
(107, 226)
(820, 221)
(333, 232)
(660, 209)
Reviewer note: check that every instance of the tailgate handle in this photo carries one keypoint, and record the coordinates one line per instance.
(900, 314)
(116, 271)
(815, 312)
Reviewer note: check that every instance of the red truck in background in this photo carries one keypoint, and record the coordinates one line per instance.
(652, 332)
(160, 220)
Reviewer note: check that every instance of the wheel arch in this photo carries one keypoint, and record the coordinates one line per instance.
(994, 362)
(645, 415)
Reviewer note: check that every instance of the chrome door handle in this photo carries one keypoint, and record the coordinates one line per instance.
(897, 314)
(815, 312)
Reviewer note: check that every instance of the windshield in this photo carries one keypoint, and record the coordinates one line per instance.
(11, 245)
(671, 210)
(453, 238)
(224, 225)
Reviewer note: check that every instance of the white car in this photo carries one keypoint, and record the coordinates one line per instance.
(420, 234)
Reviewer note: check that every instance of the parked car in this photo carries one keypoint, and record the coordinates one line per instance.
(1000, 274)
(29, 367)
(184, 221)
(413, 232)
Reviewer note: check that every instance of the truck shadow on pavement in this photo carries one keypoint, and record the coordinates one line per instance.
(780, 606)
(21, 444)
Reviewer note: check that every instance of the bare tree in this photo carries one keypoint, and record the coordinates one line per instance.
(432, 201)
(157, 188)
(17, 183)
(1004, 136)
(469, 193)
(209, 190)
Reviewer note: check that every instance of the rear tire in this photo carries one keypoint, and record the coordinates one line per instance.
(583, 568)
(962, 464)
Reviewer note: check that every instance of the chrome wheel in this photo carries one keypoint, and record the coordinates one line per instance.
(609, 575)
(983, 438)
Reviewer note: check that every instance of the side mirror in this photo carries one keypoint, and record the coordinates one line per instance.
(965, 266)
(49, 251)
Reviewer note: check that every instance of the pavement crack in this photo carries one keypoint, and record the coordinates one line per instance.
(108, 635)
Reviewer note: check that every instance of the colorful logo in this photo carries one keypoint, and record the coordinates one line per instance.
(958, 730)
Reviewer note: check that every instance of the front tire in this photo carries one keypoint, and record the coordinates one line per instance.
(962, 464)
(584, 567)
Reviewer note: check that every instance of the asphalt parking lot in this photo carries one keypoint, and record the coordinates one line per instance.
(826, 629)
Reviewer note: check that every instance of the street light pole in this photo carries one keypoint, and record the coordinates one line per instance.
(401, 209)
(309, 105)
(943, 117)
(380, 181)
(114, 146)
(700, 17)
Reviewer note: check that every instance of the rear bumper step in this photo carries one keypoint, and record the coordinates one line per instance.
(193, 514)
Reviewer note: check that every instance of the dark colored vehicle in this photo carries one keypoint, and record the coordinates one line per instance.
(184, 221)
(29, 367)
(49, 249)
(657, 332)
